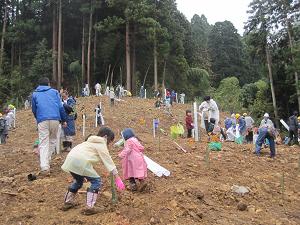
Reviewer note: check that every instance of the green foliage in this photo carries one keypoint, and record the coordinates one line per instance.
(198, 82)
(200, 30)
(228, 95)
(42, 62)
(248, 94)
(261, 103)
(226, 51)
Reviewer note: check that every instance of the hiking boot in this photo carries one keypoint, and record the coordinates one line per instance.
(68, 206)
(43, 174)
(133, 186)
(87, 211)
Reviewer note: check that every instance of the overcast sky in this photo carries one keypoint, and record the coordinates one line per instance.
(217, 10)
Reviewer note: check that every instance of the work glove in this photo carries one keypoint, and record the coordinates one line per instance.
(119, 184)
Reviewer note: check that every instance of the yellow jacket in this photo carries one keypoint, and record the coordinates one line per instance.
(81, 158)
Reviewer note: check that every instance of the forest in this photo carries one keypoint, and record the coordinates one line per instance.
(151, 43)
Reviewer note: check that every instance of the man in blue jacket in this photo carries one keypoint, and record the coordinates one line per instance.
(48, 112)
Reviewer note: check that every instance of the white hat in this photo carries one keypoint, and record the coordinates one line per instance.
(266, 115)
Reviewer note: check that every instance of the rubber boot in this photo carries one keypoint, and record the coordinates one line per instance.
(68, 146)
(132, 184)
(65, 145)
(91, 198)
(69, 201)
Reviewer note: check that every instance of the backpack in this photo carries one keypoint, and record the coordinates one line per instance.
(2, 125)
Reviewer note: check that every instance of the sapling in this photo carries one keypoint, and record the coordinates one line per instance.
(114, 197)
(282, 184)
(207, 159)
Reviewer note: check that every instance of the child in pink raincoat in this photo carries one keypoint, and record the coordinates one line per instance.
(133, 163)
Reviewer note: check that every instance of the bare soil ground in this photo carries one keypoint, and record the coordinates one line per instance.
(197, 192)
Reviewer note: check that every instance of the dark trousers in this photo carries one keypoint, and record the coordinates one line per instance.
(189, 135)
(293, 135)
(78, 182)
(249, 137)
(206, 125)
(112, 102)
(263, 134)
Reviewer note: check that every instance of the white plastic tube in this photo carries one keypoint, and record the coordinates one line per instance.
(155, 168)
(83, 125)
(96, 117)
(58, 139)
(284, 124)
(196, 122)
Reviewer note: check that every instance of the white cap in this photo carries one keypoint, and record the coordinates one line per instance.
(266, 115)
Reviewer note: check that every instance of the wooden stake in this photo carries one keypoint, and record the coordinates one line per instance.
(180, 147)
(207, 159)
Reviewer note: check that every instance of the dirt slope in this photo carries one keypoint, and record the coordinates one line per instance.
(197, 192)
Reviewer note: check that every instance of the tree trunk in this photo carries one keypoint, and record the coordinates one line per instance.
(291, 43)
(269, 62)
(89, 46)
(54, 44)
(20, 56)
(155, 64)
(95, 52)
(83, 51)
(3, 32)
(163, 80)
(128, 75)
(133, 61)
(59, 56)
(12, 54)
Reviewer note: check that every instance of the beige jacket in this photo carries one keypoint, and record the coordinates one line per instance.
(84, 156)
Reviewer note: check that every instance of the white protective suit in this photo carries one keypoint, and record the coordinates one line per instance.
(213, 111)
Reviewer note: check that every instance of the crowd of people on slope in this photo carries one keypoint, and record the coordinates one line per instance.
(53, 109)
(170, 97)
(242, 128)
(118, 91)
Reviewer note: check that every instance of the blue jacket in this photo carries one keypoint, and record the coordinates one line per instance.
(70, 129)
(242, 125)
(46, 105)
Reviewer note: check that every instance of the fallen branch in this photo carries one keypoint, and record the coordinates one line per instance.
(9, 193)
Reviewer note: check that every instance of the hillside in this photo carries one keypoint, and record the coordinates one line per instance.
(197, 192)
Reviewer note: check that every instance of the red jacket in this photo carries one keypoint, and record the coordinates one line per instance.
(188, 122)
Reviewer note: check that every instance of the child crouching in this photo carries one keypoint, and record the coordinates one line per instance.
(133, 162)
(79, 163)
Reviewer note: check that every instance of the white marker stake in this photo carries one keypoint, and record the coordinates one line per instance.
(145, 93)
(83, 125)
(14, 117)
(165, 93)
(176, 97)
(58, 139)
(153, 128)
(196, 122)
(96, 117)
